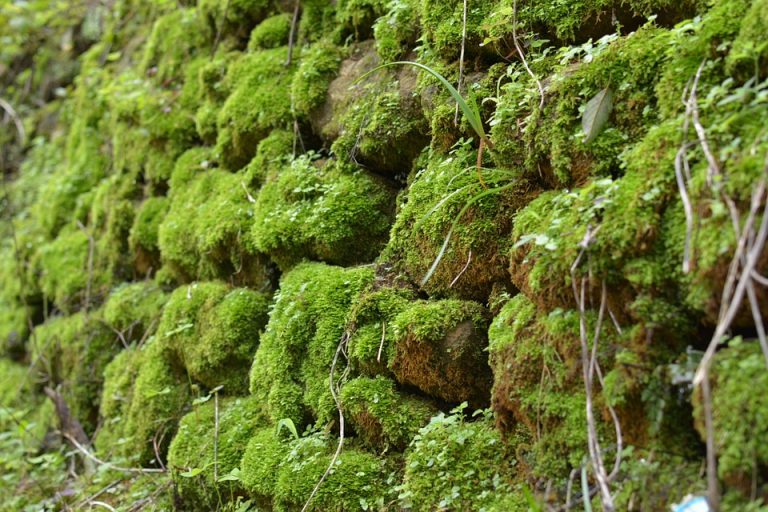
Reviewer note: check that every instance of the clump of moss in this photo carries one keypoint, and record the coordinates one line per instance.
(356, 480)
(383, 416)
(523, 344)
(454, 464)
(441, 350)
(259, 102)
(272, 154)
(63, 269)
(116, 396)
(384, 129)
(143, 239)
(195, 467)
(304, 330)
(739, 414)
(235, 18)
(396, 30)
(176, 39)
(202, 236)
(321, 210)
(214, 331)
(72, 351)
(158, 400)
(749, 53)
(438, 191)
(442, 27)
(270, 33)
(369, 324)
(318, 65)
(134, 309)
(630, 68)
(261, 460)
(358, 16)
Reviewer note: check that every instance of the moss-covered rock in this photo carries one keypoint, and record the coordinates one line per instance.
(200, 455)
(176, 39)
(326, 210)
(739, 416)
(304, 330)
(356, 480)
(134, 309)
(214, 331)
(270, 33)
(143, 238)
(439, 190)
(203, 235)
(260, 101)
(441, 350)
(262, 457)
(158, 400)
(112, 440)
(455, 464)
(382, 416)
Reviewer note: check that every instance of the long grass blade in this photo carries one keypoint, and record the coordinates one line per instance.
(472, 113)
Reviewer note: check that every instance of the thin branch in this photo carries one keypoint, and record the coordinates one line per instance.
(461, 59)
(16, 120)
(292, 34)
(383, 337)
(522, 56)
(100, 462)
(455, 279)
(340, 349)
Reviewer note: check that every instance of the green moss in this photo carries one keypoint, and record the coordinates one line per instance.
(192, 450)
(270, 33)
(134, 309)
(430, 211)
(260, 101)
(356, 479)
(112, 438)
(318, 66)
(235, 18)
(175, 40)
(442, 26)
(202, 236)
(143, 239)
(739, 414)
(214, 330)
(272, 154)
(630, 67)
(396, 30)
(384, 129)
(749, 53)
(301, 338)
(321, 210)
(72, 352)
(382, 416)
(261, 461)
(160, 395)
(369, 320)
(440, 349)
(63, 267)
(453, 464)
(523, 344)
(358, 16)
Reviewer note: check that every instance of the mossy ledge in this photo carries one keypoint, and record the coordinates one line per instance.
(240, 277)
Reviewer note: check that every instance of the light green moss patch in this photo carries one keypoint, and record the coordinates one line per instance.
(323, 210)
(304, 330)
(195, 467)
(382, 416)
(454, 464)
(214, 331)
(270, 33)
(134, 309)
